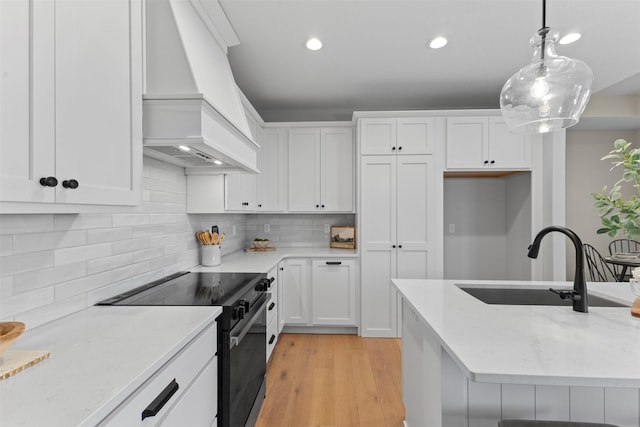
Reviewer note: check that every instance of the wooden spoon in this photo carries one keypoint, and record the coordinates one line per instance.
(207, 237)
(221, 238)
(199, 237)
(215, 238)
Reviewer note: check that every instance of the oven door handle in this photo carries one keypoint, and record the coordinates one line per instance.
(235, 340)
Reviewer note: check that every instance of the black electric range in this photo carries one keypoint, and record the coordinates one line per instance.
(241, 331)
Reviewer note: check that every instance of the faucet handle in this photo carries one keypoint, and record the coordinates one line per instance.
(570, 294)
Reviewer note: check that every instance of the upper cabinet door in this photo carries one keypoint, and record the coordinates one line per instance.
(467, 142)
(304, 170)
(26, 101)
(507, 149)
(98, 102)
(72, 74)
(337, 170)
(272, 191)
(415, 135)
(378, 136)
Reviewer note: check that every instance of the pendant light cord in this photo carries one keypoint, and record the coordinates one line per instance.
(544, 29)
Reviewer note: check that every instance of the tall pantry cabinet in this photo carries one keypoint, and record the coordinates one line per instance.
(396, 214)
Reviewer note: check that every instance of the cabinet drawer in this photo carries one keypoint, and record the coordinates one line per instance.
(272, 337)
(272, 309)
(181, 369)
(198, 405)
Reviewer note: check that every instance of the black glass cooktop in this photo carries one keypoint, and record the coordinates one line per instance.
(187, 288)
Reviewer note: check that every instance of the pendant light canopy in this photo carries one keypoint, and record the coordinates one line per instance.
(548, 94)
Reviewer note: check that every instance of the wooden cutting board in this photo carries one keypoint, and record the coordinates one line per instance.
(14, 361)
(267, 249)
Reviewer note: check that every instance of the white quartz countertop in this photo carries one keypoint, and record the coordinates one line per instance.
(531, 344)
(99, 356)
(262, 262)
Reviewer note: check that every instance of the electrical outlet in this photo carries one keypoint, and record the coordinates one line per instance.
(327, 227)
(233, 230)
(267, 228)
(452, 228)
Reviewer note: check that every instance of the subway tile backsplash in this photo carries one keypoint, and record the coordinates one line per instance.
(52, 265)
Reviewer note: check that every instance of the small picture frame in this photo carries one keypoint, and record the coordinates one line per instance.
(342, 237)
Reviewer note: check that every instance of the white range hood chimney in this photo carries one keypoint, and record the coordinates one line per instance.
(193, 114)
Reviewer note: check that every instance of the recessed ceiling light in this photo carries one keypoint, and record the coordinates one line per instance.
(217, 162)
(570, 38)
(437, 43)
(184, 148)
(313, 44)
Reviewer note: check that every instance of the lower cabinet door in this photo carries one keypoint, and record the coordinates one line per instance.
(334, 292)
(198, 405)
(272, 337)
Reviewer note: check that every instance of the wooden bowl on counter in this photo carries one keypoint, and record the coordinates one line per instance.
(9, 332)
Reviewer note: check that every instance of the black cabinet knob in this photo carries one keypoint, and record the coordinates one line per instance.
(493, 161)
(281, 268)
(399, 148)
(70, 183)
(486, 162)
(49, 181)
(394, 246)
(260, 206)
(393, 148)
(322, 206)
(317, 206)
(400, 246)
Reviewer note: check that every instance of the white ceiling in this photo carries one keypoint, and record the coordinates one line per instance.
(375, 55)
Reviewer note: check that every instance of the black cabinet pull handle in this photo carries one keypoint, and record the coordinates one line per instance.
(71, 184)
(273, 304)
(161, 400)
(49, 181)
(334, 262)
(273, 337)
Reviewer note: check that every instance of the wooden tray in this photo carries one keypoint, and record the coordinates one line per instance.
(14, 361)
(267, 249)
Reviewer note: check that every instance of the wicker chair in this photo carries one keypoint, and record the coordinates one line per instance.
(597, 268)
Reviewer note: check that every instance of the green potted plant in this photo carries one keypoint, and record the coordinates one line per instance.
(617, 214)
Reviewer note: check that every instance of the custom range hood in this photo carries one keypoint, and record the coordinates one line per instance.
(193, 114)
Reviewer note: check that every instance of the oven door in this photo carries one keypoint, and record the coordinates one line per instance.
(247, 367)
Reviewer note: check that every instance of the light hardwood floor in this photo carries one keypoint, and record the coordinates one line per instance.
(333, 381)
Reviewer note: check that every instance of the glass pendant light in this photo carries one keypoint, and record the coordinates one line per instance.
(548, 94)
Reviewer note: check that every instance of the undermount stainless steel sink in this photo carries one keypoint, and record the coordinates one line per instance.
(528, 296)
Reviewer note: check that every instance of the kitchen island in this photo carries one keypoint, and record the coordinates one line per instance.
(467, 363)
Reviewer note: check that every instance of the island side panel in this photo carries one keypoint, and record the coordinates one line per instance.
(421, 390)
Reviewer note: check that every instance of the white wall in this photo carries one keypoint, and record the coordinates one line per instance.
(295, 230)
(492, 219)
(586, 174)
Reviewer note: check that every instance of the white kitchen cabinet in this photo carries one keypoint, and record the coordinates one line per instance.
(188, 382)
(408, 135)
(240, 192)
(321, 170)
(397, 231)
(272, 312)
(295, 291)
(272, 162)
(333, 295)
(482, 142)
(280, 301)
(71, 102)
